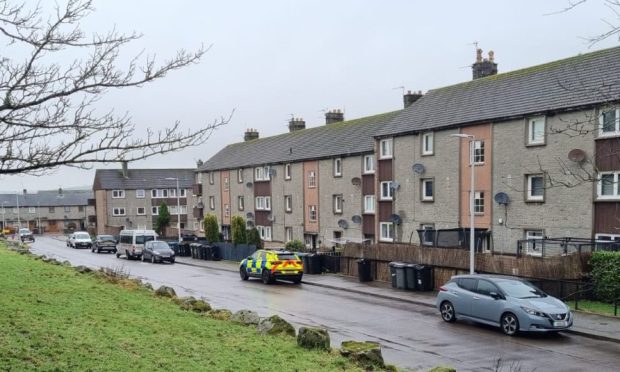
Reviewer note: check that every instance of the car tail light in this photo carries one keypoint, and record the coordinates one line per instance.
(443, 289)
(276, 262)
(298, 262)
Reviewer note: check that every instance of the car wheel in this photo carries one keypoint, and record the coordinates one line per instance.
(243, 273)
(98, 250)
(297, 279)
(114, 250)
(153, 259)
(447, 311)
(509, 324)
(118, 255)
(142, 258)
(172, 261)
(266, 277)
(128, 256)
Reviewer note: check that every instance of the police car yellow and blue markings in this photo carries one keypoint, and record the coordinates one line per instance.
(266, 261)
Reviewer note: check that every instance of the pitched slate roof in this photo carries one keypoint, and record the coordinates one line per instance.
(337, 139)
(112, 179)
(578, 81)
(48, 198)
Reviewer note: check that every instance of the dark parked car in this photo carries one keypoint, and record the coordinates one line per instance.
(25, 234)
(157, 251)
(105, 243)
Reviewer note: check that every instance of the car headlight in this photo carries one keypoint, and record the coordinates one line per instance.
(156, 253)
(531, 311)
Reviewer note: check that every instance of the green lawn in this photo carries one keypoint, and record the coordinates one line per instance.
(595, 307)
(53, 318)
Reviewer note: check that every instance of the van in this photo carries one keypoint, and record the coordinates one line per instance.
(131, 242)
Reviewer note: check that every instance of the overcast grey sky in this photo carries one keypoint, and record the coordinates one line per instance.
(270, 59)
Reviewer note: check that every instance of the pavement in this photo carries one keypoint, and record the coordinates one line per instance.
(589, 325)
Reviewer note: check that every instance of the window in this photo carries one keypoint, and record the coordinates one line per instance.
(287, 171)
(479, 202)
(239, 175)
(118, 211)
(338, 201)
(608, 185)
(478, 152)
(212, 202)
(173, 210)
(211, 178)
(427, 143)
(609, 122)
(15, 210)
(80, 208)
(196, 225)
(67, 209)
(226, 210)
(369, 164)
(486, 288)
(536, 131)
(51, 210)
(140, 194)
(240, 203)
(182, 193)
(311, 179)
(532, 247)
(226, 184)
(337, 167)
(288, 203)
(155, 211)
(262, 173)
(385, 148)
(312, 213)
(32, 210)
(387, 231)
(428, 235)
(141, 211)
(288, 233)
(427, 190)
(263, 203)
(369, 204)
(607, 241)
(386, 190)
(161, 193)
(118, 194)
(264, 232)
(535, 187)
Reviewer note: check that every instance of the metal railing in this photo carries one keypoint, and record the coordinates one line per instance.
(549, 247)
(455, 238)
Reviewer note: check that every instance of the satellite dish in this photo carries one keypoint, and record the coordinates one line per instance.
(250, 224)
(249, 185)
(271, 217)
(249, 215)
(200, 205)
(502, 198)
(394, 218)
(356, 181)
(356, 219)
(395, 185)
(343, 224)
(577, 155)
(272, 172)
(418, 168)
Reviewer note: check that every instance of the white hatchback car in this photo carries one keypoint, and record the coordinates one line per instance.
(80, 239)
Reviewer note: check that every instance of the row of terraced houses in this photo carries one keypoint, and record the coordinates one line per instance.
(545, 151)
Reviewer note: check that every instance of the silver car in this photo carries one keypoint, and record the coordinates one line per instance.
(510, 303)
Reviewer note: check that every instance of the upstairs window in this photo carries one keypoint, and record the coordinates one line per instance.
(155, 211)
(536, 131)
(385, 148)
(140, 194)
(226, 184)
(609, 122)
(427, 190)
(118, 194)
(338, 201)
(32, 210)
(535, 187)
(239, 175)
(212, 202)
(288, 203)
(386, 190)
(369, 164)
(369, 204)
(311, 179)
(312, 213)
(478, 152)
(240, 203)
(479, 202)
(607, 187)
(211, 178)
(386, 231)
(262, 173)
(118, 211)
(287, 171)
(263, 203)
(427, 143)
(141, 211)
(338, 167)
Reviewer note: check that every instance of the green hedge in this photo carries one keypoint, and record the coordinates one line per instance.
(606, 275)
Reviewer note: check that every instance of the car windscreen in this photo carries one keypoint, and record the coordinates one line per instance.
(160, 246)
(82, 236)
(24, 231)
(106, 238)
(141, 239)
(519, 289)
(286, 256)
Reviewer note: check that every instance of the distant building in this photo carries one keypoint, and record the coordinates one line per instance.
(54, 211)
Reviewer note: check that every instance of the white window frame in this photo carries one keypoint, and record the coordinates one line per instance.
(616, 188)
(211, 178)
(262, 173)
(154, 210)
(67, 209)
(143, 211)
(369, 204)
(616, 123)
(263, 203)
(311, 179)
(312, 213)
(161, 193)
(288, 233)
(264, 232)
(226, 184)
(386, 231)
(428, 145)
(240, 175)
(226, 210)
(118, 211)
(427, 226)
(479, 195)
(183, 193)
(531, 122)
(287, 171)
(387, 193)
(212, 202)
(288, 203)
(140, 194)
(386, 148)
(530, 188)
(478, 158)
(32, 210)
(531, 234)
(338, 203)
(369, 164)
(118, 194)
(425, 196)
(338, 167)
(240, 203)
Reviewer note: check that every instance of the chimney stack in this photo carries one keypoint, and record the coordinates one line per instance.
(296, 124)
(124, 171)
(25, 191)
(484, 67)
(250, 134)
(334, 116)
(411, 97)
(60, 191)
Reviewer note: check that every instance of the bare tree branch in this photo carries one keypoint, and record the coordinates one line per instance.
(47, 109)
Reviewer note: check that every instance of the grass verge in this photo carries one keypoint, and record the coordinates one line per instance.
(54, 318)
(595, 307)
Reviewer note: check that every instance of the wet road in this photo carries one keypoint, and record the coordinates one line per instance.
(413, 337)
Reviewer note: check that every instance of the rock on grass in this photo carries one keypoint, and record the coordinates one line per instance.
(247, 317)
(274, 325)
(313, 338)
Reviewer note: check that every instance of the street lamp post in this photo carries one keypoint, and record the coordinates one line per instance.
(178, 206)
(19, 222)
(472, 189)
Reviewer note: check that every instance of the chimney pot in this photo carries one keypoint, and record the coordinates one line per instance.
(484, 67)
(296, 124)
(410, 98)
(250, 134)
(334, 116)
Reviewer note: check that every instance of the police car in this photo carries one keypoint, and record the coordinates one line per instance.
(270, 265)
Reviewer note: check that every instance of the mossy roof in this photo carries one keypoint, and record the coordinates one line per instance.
(578, 81)
(338, 139)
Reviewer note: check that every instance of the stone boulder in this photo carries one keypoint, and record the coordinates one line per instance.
(147, 285)
(366, 354)
(192, 304)
(165, 291)
(220, 314)
(247, 317)
(313, 338)
(274, 325)
(83, 269)
(442, 369)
